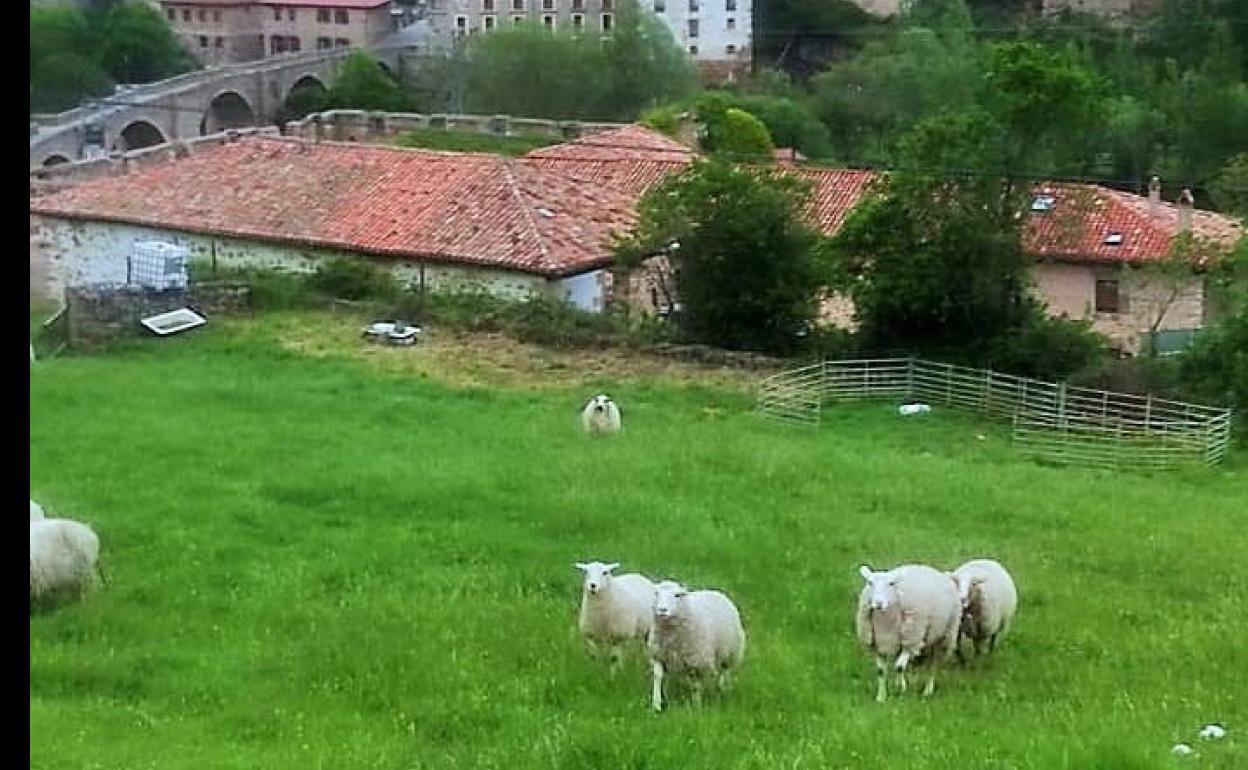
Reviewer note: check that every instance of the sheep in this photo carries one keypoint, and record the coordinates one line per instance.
(989, 600)
(601, 416)
(615, 609)
(64, 558)
(908, 614)
(36, 511)
(695, 634)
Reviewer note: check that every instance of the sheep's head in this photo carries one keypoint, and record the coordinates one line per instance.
(881, 588)
(597, 575)
(599, 403)
(668, 597)
(969, 585)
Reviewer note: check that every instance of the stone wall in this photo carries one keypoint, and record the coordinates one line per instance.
(99, 314)
(360, 125)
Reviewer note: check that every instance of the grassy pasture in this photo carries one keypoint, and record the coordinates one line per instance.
(330, 556)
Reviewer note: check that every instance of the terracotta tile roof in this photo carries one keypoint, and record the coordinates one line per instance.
(631, 177)
(631, 142)
(1083, 217)
(450, 207)
(834, 193)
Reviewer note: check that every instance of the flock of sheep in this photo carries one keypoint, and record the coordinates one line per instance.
(912, 614)
(64, 557)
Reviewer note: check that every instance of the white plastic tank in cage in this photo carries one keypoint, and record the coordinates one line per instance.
(159, 265)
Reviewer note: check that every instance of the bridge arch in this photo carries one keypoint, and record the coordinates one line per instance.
(228, 109)
(137, 134)
(55, 159)
(311, 82)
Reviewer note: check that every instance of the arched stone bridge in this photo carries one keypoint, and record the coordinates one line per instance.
(194, 104)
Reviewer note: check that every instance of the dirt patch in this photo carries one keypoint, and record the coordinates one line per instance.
(490, 359)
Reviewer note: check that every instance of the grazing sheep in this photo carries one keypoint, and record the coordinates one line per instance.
(989, 600)
(63, 559)
(615, 609)
(908, 614)
(36, 511)
(695, 634)
(601, 416)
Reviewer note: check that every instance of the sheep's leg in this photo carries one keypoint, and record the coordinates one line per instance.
(656, 690)
(932, 665)
(881, 687)
(696, 686)
(979, 646)
(992, 643)
(957, 648)
(617, 657)
(903, 660)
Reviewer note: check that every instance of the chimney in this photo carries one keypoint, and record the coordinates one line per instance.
(1186, 203)
(1154, 191)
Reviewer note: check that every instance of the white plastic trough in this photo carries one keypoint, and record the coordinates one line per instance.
(174, 321)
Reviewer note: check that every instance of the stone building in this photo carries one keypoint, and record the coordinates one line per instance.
(715, 33)
(226, 31)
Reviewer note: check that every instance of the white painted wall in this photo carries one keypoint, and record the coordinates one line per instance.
(714, 35)
(78, 253)
(585, 291)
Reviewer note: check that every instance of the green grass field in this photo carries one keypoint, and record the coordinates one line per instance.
(332, 560)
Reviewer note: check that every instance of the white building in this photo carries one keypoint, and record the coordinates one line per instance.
(716, 33)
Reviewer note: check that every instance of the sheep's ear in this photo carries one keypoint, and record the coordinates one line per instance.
(865, 571)
(611, 566)
(581, 566)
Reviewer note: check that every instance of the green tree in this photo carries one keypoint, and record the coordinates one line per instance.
(528, 70)
(741, 136)
(60, 81)
(137, 45)
(1230, 189)
(363, 85)
(741, 253)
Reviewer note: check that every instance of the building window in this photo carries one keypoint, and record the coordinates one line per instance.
(693, 6)
(693, 50)
(277, 14)
(517, 20)
(172, 14)
(730, 5)
(219, 42)
(216, 16)
(606, 6)
(342, 17)
(203, 41)
(549, 22)
(322, 15)
(290, 14)
(548, 5)
(342, 42)
(578, 5)
(732, 24)
(487, 6)
(295, 45)
(461, 25)
(323, 43)
(203, 17)
(660, 6)
(186, 14)
(487, 23)
(517, 5)
(1107, 299)
(606, 22)
(730, 49)
(693, 28)
(578, 22)
(277, 44)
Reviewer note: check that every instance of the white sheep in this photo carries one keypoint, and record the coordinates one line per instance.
(615, 609)
(601, 416)
(908, 614)
(63, 558)
(989, 601)
(36, 511)
(696, 634)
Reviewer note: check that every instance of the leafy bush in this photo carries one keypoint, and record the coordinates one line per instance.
(1047, 348)
(1215, 368)
(353, 279)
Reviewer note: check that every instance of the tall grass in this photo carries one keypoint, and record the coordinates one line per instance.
(315, 565)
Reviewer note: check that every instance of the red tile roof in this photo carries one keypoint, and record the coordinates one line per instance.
(1082, 217)
(451, 207)
(632, 142)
